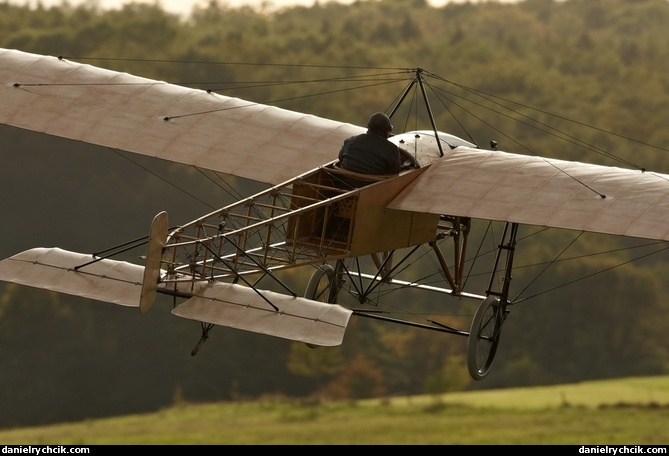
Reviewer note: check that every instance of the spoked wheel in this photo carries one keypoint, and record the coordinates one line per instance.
(323, 285)
(484, 337)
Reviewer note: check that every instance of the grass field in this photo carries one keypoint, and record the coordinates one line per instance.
(614, 412)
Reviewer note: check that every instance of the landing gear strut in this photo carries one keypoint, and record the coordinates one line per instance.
(486, 326)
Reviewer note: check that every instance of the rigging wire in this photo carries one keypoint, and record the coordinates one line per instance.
(263, 84)
(219, 62)
(632, 260)
(529, 150)
(280, 100)
(155, 174)
(548, 265)
(490, 98)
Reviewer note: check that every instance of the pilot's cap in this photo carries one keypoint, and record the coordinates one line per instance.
(379, 121)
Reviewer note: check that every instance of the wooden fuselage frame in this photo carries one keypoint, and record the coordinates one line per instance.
(316, 217)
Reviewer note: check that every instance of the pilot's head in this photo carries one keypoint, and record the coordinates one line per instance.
(379, 124)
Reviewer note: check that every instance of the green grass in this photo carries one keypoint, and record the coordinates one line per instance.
(621, 411)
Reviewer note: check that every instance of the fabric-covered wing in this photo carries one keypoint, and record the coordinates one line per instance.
(117, 282)
(224, 304)
(495, 185)
(240, 307)
(85, 103)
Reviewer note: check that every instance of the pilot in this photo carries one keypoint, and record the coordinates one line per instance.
(372, 153)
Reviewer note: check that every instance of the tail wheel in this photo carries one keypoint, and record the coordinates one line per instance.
(484, 337)
(323, 285)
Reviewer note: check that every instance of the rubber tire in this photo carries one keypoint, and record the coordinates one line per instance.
(484, 338)
(319, 290)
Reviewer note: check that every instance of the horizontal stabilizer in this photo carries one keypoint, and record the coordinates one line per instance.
(240, 307)
(117, 282)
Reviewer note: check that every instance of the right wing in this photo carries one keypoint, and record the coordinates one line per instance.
(539, 191)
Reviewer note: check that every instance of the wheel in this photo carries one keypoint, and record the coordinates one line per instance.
(320, 285)
(484, 338)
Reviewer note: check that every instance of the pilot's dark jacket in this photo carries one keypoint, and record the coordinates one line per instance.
(370, 154)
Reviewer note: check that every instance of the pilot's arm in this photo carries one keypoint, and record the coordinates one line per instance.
(407, 160)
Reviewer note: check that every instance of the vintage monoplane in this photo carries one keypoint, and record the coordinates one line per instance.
(310, 213)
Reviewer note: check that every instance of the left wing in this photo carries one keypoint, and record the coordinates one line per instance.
(97, 106)
(501, 186)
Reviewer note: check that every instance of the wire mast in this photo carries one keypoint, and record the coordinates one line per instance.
(418, 79)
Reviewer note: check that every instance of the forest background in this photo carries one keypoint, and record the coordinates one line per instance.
(602, 63)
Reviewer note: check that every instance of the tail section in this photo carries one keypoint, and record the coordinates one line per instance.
(213, 302)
